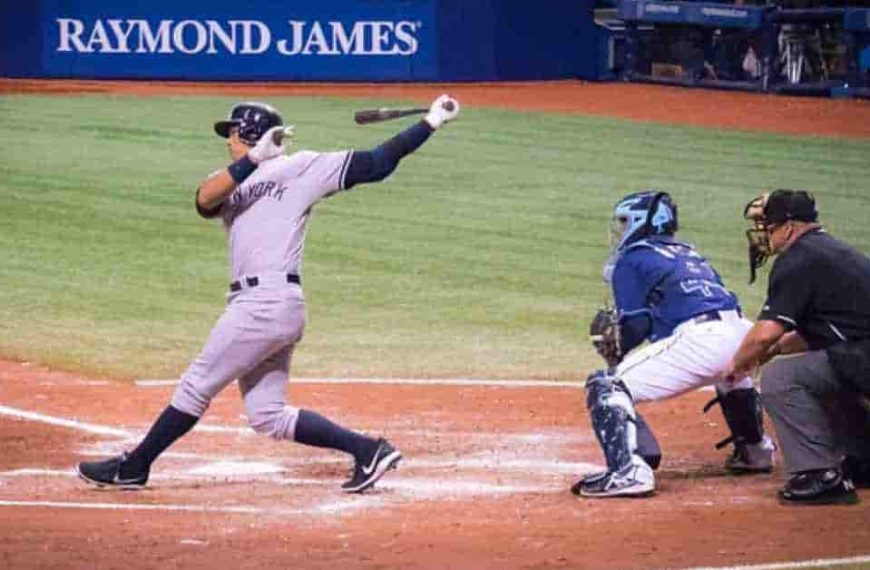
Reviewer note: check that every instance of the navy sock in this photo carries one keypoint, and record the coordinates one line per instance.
(171, 425)
(314, 429)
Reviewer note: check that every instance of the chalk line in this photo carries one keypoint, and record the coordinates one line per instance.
(493, 382)
(818, 563)
(63, 422)
(324, 508)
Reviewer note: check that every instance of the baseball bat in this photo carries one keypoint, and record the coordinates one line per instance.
(385, 114)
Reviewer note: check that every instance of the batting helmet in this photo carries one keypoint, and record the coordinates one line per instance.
(643, 214)
(252, 119)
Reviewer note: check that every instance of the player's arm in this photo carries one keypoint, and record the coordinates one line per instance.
(213, 191)
(376, 164)
(788, 293)
(217, 186)
(631, 292)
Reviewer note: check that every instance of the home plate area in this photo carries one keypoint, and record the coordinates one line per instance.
(450, 453)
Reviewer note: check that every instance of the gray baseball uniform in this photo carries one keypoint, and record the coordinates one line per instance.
(265, 199)
(265, 218)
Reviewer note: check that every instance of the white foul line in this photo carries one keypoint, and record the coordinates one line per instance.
(238, 509)
(790, 565)
(148, 383)
(63, 422)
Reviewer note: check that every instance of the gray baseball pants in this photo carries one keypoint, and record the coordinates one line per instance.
(817, 419)
(253, 342)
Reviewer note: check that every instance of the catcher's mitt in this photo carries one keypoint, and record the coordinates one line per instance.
(604, 334)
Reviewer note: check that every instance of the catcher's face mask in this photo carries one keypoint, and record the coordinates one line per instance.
(758, 234)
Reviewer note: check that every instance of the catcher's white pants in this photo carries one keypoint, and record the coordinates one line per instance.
(695, 355)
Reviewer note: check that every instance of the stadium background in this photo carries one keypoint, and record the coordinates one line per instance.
(480, 258)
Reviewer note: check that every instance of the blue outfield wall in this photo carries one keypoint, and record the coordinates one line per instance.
(327, 40)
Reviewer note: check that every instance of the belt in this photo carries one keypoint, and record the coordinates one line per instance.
(707, 317)
(236, 286)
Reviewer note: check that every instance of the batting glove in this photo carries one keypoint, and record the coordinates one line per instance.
(271, 144)
(443, 110)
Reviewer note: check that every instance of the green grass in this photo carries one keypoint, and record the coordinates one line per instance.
(480, 256)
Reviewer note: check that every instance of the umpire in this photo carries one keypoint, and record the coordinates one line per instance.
(818, 311)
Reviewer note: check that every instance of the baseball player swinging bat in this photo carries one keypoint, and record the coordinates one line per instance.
(385, 113)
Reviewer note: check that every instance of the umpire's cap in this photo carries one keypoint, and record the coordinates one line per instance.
(784, 205)
(252, 118)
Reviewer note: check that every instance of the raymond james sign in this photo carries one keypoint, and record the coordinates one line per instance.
(300, 40)
(267, 39)
(242, 37)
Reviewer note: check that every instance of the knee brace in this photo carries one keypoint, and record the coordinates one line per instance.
(742, 411)
(613, 418)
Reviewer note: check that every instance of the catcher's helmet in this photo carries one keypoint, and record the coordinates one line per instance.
(643, 214)
(253, 119)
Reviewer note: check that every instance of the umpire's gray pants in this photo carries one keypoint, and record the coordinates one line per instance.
(817, 419)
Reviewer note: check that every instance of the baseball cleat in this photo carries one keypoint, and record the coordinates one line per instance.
(634, 480)
(588, 479)
(367, 472)
(819, 487)
(107, 473)
(751, 458)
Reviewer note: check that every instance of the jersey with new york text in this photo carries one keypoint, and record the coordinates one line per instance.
(669, 282)
(266, 216)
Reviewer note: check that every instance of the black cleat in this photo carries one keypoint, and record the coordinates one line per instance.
(749, 458)
(819, 487)
(858, 470)
(107, 473)
(366, 472)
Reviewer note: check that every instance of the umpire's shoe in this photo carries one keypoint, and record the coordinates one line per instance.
(367, 471)
(107, 473)
(634, 480)
(819, 487)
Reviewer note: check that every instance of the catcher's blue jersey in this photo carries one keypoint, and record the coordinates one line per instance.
(668, 281)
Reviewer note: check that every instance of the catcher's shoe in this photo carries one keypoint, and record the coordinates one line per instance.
(751, 458)
(819, 487)
(588, 479)
(366, 472)
(634, 480)
(107, 473)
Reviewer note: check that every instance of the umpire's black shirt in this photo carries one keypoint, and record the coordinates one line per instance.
(820, 287)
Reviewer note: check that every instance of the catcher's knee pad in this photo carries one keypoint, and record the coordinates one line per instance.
(742, 411)
(613, 418)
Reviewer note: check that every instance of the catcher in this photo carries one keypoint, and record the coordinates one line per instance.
(668, 294)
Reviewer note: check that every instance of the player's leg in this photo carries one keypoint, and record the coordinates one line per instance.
(753, 451)
(797, 393)
(242, 337)
(264, 392)
(693, 357)
(613, 421)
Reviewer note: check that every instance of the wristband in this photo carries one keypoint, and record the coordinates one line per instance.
(241, 169)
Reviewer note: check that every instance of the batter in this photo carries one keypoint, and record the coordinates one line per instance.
(264, 199)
